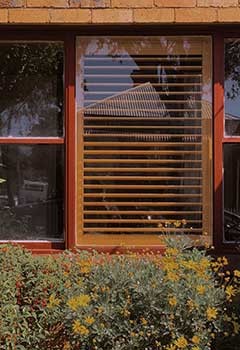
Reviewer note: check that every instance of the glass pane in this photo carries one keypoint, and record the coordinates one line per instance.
(31, 89)
(144, 105)
(232, 192)
(31, 192)
(232, 87)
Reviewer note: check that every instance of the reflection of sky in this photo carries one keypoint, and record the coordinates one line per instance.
(22, 118)
(115, 63)
(232, 106)
(105, 47)
(112, 50)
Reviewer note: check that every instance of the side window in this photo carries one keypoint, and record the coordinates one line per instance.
(144, 113)
(31, 141)
(231, 150)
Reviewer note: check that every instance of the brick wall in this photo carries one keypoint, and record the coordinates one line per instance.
(119, 11)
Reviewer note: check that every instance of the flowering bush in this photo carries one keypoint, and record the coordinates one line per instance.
(123, 302)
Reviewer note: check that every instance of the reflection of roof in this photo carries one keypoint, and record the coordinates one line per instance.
(141, 101)
(229, 116)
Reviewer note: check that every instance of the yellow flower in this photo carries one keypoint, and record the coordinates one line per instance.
(85, 266)
(79, 301)
(195, 339)
(172, 301)
(236, 273)
(181, 342)
(89, 320)
(204, 263)
(126, 313)
(53, 301)
(78, 328)
(191, 304)
(100, 310)
(196, 348)
(66, 346)
(177, 223)
(143, 321)
(171, 251)
(169, 264)
(201, 289)
(224, 260)
(211, 313)
(172, 276)
(230, 292)
(67, 284)
(85, 269)
(191, 265)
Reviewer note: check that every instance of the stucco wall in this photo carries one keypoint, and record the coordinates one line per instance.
(119, 11)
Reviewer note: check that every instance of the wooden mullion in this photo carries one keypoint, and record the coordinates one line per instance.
(141, 229)
(218, 138)
(70, 195)
(141, 195)
(107, 186)
(138, 221)
(32, 140)
(234, 139)
(141, 212)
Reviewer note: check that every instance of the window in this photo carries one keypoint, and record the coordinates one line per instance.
(31, 141)
(144, 116)
(231, 151)
(145, 153)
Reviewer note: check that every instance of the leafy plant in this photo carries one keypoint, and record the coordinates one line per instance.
(91, 301)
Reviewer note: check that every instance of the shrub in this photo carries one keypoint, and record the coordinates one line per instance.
(122, 302)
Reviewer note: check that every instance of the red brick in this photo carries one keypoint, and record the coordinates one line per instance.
(217, 3)
(153, 15)
(175, 3)
(195, 15)
(132, 3)
(229, 15)
(90, 3)
(28, 16)
(47, 3)
(70, 16)
(112, 16)
(12, 3)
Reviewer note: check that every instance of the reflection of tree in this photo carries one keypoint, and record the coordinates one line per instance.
(26, 71)
(232, 67)
(30, 80)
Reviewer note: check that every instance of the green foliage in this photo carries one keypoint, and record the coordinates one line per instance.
(122, 302)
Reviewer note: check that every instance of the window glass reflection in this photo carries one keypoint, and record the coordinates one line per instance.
(31, 192)
(232, 87)
(31, 89)
(144, 106)
(232, 192)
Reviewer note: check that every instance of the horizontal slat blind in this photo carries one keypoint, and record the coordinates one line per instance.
(142, 135)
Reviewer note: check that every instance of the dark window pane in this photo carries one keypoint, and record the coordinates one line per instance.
(232, 192)
(31, 192)
(232, 87)
(31, 89)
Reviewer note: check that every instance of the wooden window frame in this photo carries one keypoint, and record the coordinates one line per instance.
(66, 140)
(68, 34)
(220, 139)
(150, 241)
